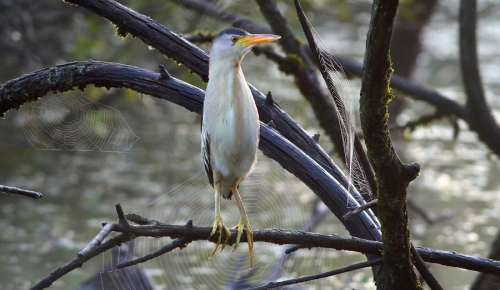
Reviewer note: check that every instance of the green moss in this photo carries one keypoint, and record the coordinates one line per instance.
(121, 32)
(53, 76)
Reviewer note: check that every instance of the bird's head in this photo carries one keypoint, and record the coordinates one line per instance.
(234, 43)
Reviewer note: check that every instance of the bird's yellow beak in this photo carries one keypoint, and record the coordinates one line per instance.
(253, 39)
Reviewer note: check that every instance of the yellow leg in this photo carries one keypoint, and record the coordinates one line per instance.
(219, 224)
(243, 224)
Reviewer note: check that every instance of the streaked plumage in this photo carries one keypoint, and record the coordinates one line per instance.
(230, 126)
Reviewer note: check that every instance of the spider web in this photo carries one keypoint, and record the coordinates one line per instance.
(75, 123)
(273, 199)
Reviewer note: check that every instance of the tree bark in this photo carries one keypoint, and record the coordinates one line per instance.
(392, 175)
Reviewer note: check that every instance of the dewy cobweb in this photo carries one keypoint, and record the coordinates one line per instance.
(338, 86)
(75, 123)
(274, 199)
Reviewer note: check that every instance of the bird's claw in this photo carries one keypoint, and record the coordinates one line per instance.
(244, 224)
(219, 226)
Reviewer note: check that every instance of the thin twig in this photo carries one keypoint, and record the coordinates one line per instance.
(97, 240)
(80, 260)
(424, 270)
(426, 216)
(360, 208)
(20, 191)
(349, 268)
(177, 243)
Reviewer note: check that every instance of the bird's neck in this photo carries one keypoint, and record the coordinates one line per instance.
(224, 65)
(227, 75)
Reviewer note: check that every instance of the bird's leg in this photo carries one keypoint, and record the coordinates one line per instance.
(243, 224)
(218, 223)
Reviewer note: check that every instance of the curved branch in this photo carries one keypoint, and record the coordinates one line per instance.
(483, 122)
(174, 46)
(150, 32)
(65, 77)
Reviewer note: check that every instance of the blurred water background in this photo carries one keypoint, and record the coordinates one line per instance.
(151, 163)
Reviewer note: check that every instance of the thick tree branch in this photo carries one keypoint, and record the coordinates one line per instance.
(392, 175)
(155, 229)
(403, 85)
(307, 240)
(161, 85)
(355, 68)
(150, 32)
(170, 44)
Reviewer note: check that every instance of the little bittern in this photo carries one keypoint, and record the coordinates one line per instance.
(230, 126)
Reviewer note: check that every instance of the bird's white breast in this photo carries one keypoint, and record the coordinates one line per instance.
(232, 121)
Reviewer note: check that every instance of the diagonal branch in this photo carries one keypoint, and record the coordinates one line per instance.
(80, 260)
(350, 268)
(356, 162)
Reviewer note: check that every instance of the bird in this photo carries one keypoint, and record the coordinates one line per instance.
(230, 127)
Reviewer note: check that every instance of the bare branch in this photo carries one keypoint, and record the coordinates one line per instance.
(362, 166)
(424, 270)
(273, 144)
(483, 122)
(155, 229)
(308, 240)
(177, 243)
(78, 262)
(393, 177)
(97, 240)
(20, 191)
(346, 269)
(360, 208)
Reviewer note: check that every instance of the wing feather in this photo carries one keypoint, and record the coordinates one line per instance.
(205, 154)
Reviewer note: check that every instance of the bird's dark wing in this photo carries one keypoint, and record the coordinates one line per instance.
(205, 155)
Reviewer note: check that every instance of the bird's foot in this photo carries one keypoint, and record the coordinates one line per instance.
(220, 227)
(244, 224)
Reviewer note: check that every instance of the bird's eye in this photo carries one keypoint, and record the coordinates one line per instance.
(234, 38)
